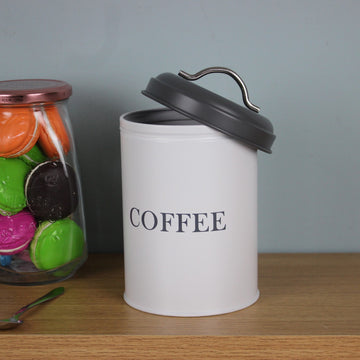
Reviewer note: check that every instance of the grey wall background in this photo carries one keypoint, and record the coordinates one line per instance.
(299, 59)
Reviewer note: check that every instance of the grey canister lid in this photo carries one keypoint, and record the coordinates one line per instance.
(208, 108)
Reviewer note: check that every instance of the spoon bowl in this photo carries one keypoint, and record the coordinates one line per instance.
(9, 324)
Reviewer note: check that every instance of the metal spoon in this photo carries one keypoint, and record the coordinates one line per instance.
(14, 320)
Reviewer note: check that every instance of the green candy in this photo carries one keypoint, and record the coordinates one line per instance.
(34, 157)
(12, 181)
(56, 243)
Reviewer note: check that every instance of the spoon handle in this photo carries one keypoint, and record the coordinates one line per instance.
(49, 296)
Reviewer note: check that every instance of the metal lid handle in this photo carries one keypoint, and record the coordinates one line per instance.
(223, 70)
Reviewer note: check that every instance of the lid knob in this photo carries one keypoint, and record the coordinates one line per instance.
(223, 70)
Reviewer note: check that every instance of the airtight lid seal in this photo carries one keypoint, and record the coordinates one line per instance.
(180, 94)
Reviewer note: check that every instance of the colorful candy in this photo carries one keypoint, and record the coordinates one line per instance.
(51, 190)
(5, 260)
(34, 157)
(56, 243)
(32, 189)
(16, 232)
(19, 131)
(53, 137)
(12, 181)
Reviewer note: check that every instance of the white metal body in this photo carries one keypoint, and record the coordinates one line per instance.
(189, 218)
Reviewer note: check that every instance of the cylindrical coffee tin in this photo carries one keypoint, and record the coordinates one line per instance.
(189, 214)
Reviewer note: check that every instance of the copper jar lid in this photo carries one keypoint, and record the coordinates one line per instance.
(28, 91)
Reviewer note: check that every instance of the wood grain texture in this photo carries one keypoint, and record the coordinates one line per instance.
(309, 308)
(60, 347)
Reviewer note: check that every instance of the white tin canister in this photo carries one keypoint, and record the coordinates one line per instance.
(189, 216)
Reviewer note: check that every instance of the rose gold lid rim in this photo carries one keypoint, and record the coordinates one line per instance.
(29, 91)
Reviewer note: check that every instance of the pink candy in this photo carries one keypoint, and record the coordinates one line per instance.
(16, 232)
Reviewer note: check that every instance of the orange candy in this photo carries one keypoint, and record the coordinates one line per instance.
(19, 131)
(53, 136)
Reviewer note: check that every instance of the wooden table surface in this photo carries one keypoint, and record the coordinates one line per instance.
(309, 308)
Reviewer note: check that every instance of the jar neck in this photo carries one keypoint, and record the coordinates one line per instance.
(35, 105)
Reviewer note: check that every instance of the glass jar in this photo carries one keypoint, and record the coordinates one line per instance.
(42, 224)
